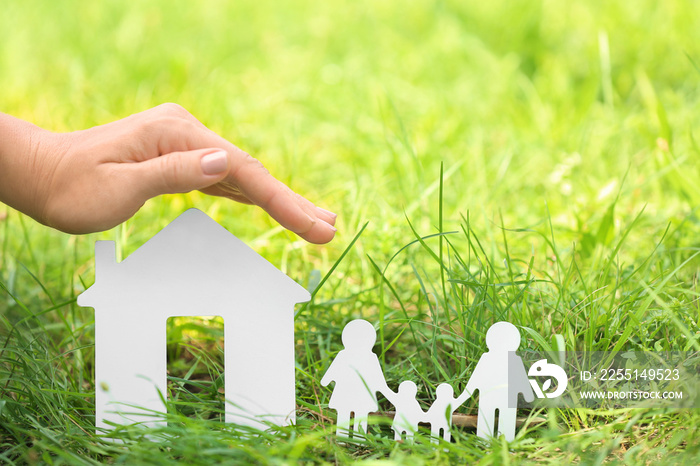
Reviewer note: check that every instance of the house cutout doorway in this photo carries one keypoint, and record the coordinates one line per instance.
(195, 366)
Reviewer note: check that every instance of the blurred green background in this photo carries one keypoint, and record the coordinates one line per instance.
(356, 104)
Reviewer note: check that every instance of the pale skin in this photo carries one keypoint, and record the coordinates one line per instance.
(95, 179)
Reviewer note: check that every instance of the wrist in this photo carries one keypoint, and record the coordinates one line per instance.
(25, 167)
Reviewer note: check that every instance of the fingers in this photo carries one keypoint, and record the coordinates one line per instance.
(178, 172)
(326, 215)
(244, 179)
(291, 210)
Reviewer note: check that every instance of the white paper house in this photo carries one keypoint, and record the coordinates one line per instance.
(193, 267)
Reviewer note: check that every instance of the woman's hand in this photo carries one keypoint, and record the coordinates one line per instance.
(95, 179)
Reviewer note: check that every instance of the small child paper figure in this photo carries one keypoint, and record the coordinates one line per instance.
(358, 377)
(440, 413)
(408, 411)
(496, 369)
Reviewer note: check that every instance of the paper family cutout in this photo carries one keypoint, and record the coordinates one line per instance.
(499, 376)
(193, 267)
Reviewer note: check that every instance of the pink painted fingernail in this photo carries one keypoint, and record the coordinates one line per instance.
(330, 227)
(214, 163)
(327, 212)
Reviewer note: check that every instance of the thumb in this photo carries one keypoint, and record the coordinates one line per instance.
(181, 172)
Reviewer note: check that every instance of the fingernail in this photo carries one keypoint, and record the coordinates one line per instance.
(330, 227)
(214, 163)
(327, 212)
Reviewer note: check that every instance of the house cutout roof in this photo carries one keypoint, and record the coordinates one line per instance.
(181, 257)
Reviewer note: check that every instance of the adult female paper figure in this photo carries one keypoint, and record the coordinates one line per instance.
(357, 376)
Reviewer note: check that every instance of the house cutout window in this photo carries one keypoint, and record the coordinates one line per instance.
(195, 366)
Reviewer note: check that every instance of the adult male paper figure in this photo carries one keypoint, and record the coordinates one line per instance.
(495, 373)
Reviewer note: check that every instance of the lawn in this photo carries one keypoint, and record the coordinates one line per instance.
(527, 161)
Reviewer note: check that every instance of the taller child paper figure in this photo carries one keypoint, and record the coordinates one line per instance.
(193, 267)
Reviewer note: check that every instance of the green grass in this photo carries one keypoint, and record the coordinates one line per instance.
(529, 161)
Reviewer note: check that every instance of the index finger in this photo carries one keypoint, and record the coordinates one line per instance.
(254, 182)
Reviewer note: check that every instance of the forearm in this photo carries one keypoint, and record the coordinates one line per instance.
(20, 163)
